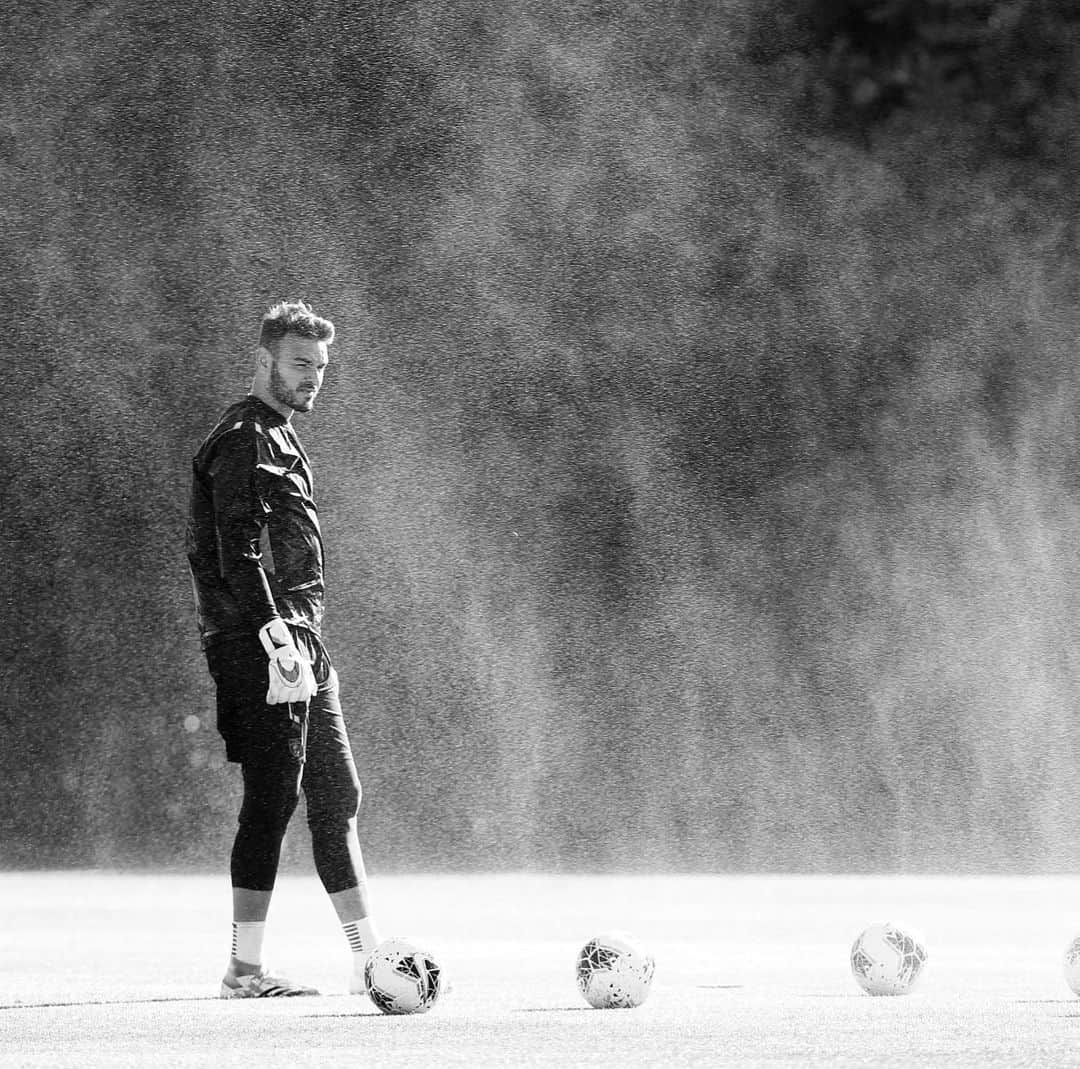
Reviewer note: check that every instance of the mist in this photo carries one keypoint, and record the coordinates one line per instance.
(697, 486)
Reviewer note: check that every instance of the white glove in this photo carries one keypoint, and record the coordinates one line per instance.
(291, 677)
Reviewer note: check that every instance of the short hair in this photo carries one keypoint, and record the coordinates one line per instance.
(293, 317)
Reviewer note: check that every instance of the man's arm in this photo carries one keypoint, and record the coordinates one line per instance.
(239, 517)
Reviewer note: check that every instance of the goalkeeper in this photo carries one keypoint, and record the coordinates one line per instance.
(256, 557)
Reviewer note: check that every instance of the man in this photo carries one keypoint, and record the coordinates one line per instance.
(256, 557)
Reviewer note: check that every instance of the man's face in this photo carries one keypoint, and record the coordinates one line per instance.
(297, 373)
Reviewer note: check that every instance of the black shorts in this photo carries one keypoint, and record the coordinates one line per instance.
(251, 728)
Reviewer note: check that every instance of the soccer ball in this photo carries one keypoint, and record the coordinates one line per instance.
(614, 971)
(399, 977)
(885, 960)
(1072, 965)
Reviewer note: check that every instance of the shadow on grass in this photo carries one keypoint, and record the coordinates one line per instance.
(556, 1009)
(106, 1002)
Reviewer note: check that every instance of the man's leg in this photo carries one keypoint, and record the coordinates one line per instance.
(332, 790)
(271, 791)
(268, 744)
(272, 768)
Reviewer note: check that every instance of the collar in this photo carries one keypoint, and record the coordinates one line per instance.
(270, 416)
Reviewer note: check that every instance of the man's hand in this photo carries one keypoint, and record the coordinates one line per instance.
(291, 677)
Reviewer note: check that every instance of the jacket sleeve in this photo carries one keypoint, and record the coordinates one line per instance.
(239, 518)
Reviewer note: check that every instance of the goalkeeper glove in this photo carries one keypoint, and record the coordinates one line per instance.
(291, 677)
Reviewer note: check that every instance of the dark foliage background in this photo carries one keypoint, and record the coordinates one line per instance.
(697, 456)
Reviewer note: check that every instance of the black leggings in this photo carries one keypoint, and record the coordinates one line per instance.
(280, 752)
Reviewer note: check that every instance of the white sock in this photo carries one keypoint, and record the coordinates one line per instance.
(362, 939)
(247, 941)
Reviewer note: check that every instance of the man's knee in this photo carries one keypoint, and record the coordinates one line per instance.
(270, 799)
(267, 818)
(334, 807)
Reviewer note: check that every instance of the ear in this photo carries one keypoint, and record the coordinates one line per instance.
(263, 357)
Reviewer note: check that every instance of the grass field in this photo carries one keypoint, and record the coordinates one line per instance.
(109, 969)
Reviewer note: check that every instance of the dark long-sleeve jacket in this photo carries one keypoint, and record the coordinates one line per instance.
(253, 539)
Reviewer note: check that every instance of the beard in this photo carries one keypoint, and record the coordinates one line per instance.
(283, 394)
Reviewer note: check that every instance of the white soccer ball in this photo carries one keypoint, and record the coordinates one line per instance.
(614, 971)
(1072, 965)
(400, 977)
(886, 960)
